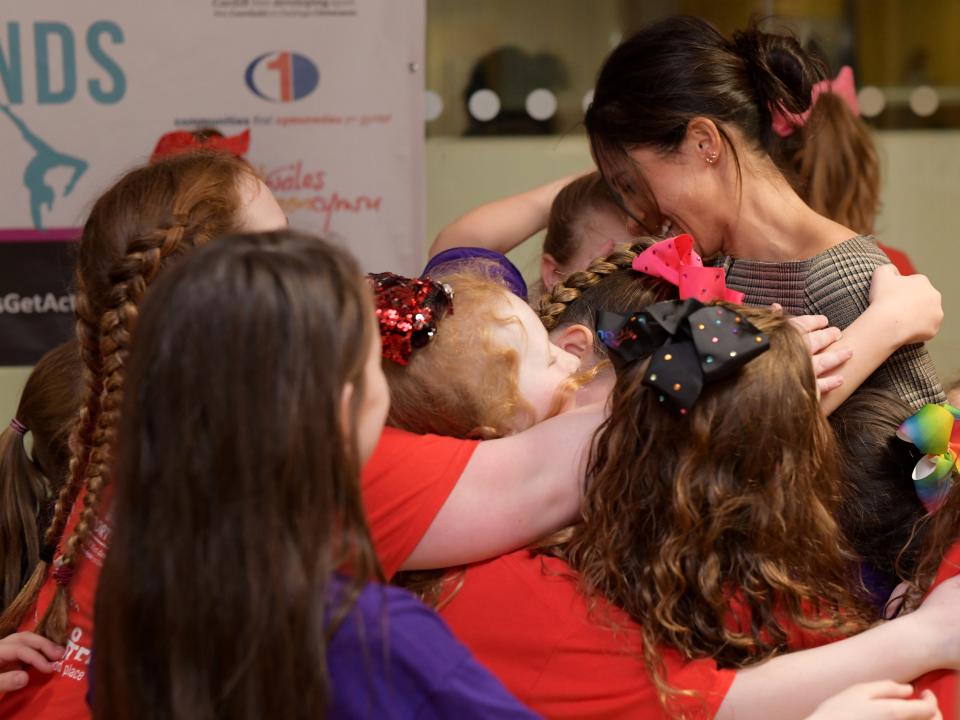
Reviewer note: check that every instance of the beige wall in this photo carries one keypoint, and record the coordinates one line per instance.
(920, 207)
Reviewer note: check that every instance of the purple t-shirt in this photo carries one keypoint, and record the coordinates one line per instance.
(395, 658)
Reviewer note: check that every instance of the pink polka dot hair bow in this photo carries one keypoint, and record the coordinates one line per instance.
(675, 261)
(786, 123)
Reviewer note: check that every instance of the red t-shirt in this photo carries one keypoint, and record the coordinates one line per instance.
(943, 683)
(62, 694)
(524, 618)
(404, 484)
(900, 261)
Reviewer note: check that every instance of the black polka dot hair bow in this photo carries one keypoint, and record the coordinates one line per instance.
(689, 345)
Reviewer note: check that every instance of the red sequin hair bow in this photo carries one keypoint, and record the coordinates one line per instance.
(408, 311)
(675, 261)
(174, 143)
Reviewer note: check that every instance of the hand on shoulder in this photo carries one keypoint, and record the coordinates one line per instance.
(909, 304)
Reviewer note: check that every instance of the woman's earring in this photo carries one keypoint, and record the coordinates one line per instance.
(712, 157)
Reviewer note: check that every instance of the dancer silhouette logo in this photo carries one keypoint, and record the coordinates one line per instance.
(282, 76)
(44, 160)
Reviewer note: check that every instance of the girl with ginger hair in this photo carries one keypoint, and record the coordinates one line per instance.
(525, 619)
(237, 508)
(521, 372)
(697, 150)
(150, 218)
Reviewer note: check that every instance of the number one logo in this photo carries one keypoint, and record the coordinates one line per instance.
(283, 66)
(295, 75)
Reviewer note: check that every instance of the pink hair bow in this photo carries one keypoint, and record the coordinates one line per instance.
(675, 261)
(785, 123)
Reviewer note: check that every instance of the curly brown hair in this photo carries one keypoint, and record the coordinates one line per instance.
(715, 530)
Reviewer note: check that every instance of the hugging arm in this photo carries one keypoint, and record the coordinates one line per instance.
(791, 686)
(513, 491)
(503, 224)
(903, 310)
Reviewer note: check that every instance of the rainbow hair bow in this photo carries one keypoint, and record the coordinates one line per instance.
(675, 261)
(935, 431)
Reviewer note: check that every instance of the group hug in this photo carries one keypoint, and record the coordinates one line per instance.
(701, 467)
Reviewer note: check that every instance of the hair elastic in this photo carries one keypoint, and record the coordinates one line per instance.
(47, 552)
(18, 427)
(63, 573)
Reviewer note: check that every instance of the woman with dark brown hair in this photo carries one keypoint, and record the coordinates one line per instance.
(696, 150)
(141, 226)
(239, 581)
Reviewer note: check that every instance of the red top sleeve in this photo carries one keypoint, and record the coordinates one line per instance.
(943, 683)
(404, 484)
(899, 259)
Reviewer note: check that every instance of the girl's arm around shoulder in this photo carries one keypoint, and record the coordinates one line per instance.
(513, 491)
(903, 310)
(790, 687)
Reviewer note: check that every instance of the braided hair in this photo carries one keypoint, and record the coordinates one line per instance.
(609, 283)
(149, 218)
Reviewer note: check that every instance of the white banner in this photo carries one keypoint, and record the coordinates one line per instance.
(331, 92)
